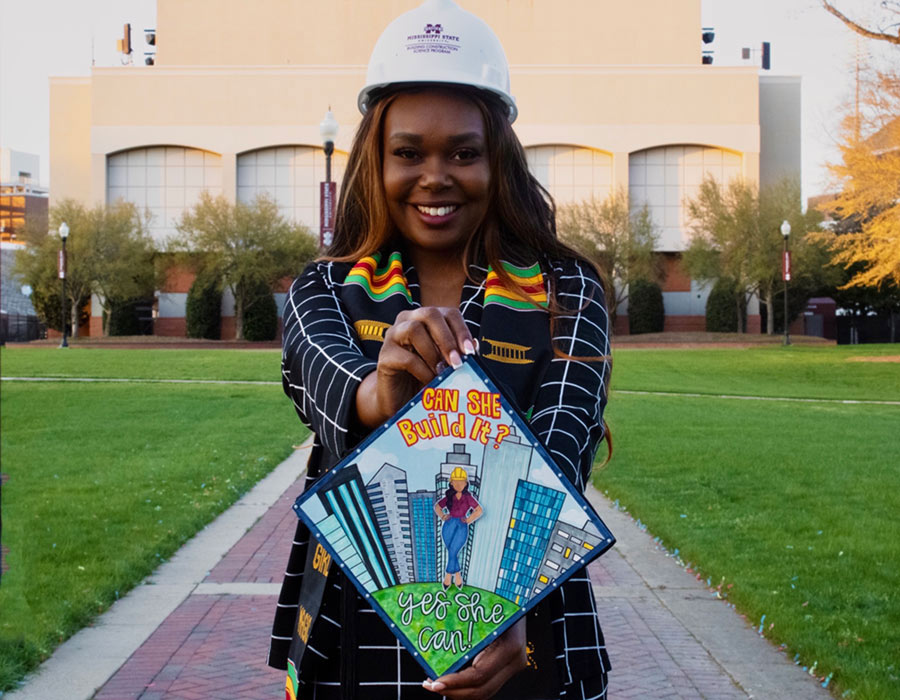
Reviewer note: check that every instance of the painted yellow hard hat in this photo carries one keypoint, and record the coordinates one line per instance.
(459, 474)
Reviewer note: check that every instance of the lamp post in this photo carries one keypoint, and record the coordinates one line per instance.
(63, 235)
(786, 276)
(328, 129)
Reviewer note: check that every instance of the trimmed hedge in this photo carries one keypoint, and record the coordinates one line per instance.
(203, 313)
(261, 317)
(721, 308)
(646, 313)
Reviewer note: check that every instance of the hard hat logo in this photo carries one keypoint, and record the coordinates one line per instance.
(432, 41)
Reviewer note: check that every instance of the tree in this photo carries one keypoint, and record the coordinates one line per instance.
(122, 259)
(618, 239)
(868, 206)
(108, 253)
(735, 233)
(243, 245)
(892, 18)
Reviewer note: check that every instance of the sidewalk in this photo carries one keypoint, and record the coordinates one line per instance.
(199, 627)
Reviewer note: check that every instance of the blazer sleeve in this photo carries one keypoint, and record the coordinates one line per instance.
(568, 409)
(322, 363)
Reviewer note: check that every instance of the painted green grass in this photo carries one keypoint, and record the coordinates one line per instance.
(796, 371)
(108, 480)
(462, 634)
(243, 365)
(795, 505)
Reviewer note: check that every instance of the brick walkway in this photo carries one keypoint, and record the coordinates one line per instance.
(214, 644)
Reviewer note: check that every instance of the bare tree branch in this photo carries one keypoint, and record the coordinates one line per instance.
(858, 28)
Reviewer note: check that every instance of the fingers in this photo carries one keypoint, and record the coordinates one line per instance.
(490, 670)
(435, 334)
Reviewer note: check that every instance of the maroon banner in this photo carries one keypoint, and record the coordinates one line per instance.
(327, 195)
(62, 265)
(786, 267)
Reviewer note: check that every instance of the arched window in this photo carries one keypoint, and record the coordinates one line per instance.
(570, 173)
(665, 177)
(290, 175)
(166, 180)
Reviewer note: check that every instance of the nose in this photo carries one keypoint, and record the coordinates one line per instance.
(435, 175)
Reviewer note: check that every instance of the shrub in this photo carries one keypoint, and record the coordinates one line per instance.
(261, 317)
(646, 313)
(722, 307)
(123, 318)
(204, 308)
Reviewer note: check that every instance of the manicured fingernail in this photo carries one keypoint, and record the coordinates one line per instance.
(477, 346)
(437, 686)
(426, 684)
(441, 366)
(468, 348)
(455, 360)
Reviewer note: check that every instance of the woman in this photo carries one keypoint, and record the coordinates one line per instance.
(457, 509)
(443, 243)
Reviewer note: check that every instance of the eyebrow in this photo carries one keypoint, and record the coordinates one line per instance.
(454, 140)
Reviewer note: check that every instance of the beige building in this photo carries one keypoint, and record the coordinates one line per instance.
(609, 94)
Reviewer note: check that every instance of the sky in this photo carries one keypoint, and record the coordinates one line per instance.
(43, 38)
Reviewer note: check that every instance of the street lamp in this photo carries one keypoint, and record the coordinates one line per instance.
(328, 129)
(63, 234)
(786, 275)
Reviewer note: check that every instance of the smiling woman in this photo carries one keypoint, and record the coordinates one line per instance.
(444, 243)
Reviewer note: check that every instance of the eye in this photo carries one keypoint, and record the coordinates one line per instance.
(406, 153)
(464, 154)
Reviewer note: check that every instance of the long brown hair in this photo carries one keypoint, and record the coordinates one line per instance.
(520, 225)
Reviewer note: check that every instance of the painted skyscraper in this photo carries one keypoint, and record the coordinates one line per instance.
(346, 499)
(501, 470)
(458, 457)
(568, 544)
(534, 514)
(346, 550)
(389, 496)
(424, 534)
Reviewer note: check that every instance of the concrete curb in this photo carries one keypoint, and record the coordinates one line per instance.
(86, 661)
(750, 661)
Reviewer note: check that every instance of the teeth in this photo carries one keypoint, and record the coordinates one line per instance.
(437, 211)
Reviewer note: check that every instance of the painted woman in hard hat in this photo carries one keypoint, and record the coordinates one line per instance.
(458, 509)
(444, 244)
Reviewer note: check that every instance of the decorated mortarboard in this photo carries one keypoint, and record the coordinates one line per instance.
(452, 520)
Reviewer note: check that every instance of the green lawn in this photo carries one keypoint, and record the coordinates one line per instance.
(244, 365)
(108, 480)
(796, 371)
(794, 504)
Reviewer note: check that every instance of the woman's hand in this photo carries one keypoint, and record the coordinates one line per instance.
(414, 347)
(489, 671)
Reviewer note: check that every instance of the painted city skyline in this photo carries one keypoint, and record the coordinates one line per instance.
(520, 530)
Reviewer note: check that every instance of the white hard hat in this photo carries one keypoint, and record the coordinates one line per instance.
(439, 42)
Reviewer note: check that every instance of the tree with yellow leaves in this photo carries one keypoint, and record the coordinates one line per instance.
(868, 205)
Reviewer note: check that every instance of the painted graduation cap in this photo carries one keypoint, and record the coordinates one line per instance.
(454, 484)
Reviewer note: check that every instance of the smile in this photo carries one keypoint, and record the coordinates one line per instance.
(438, 211)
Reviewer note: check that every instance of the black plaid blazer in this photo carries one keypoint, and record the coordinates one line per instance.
(331, 342)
